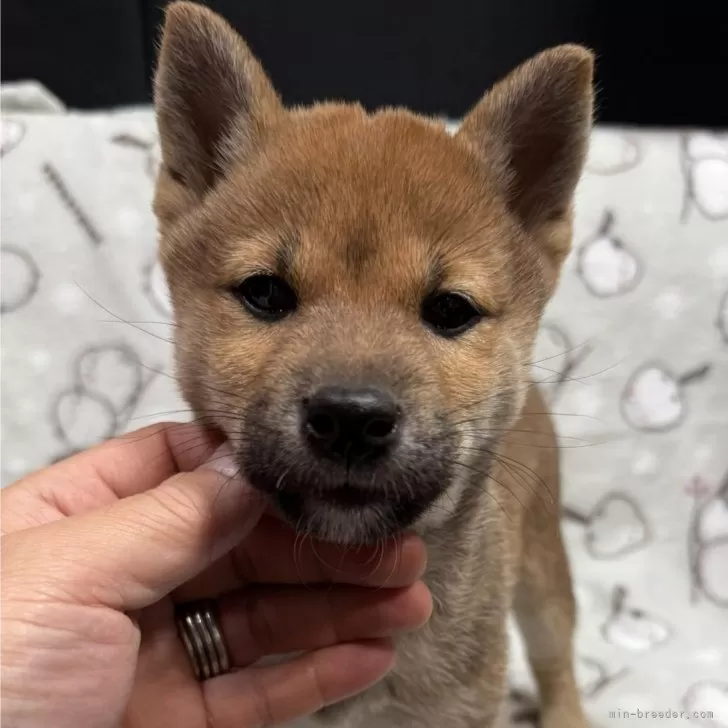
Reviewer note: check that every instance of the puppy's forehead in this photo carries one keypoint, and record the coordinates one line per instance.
(346, 193)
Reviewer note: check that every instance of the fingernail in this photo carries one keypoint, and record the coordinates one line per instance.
(223, 461)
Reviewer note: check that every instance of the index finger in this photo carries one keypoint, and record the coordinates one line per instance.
(142, 459)
(115, 469)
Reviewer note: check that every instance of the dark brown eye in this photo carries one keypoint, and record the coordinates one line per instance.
(449, 314)
(267, 297)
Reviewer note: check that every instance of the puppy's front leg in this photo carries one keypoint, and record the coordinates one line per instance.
(545, 610)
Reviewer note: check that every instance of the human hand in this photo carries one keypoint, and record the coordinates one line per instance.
(96, 551)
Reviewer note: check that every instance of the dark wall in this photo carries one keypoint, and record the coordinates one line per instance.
(88, 52)
(658, 63)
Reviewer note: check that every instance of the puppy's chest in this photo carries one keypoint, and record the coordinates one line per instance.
(432, 684)
(459, 711)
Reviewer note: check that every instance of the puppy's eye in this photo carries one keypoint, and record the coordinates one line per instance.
(449, 314)
(268, 297)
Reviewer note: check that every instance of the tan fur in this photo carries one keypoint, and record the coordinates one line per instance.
(363, 213)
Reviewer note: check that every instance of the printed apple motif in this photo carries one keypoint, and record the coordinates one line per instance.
(150, 147)
(590, 674)
(708, 541)
(705, 164)
(82, 419)
(554, 359)
(702, 146)
(713, 516)
(108, 385)
(710, 188)
(614, 528)
(156, 289)
(708, 697)
(593, 676)
(605, 265)
(612, 153)
(713, 571)
(653, 399)
(11, 134)
(20, 277)
(633, 629)
(722, 321)
(550, 358)
(113, 371)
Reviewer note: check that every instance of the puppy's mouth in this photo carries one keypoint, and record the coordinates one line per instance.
(347, 512)
(349, 496)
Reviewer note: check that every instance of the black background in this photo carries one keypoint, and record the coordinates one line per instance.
(658, 63)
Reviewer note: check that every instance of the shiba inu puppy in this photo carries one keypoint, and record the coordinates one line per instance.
(357, 297)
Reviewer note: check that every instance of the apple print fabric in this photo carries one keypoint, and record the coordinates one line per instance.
(632, 358)
(605, 264)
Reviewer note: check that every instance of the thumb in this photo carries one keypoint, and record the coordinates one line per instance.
(136, 551)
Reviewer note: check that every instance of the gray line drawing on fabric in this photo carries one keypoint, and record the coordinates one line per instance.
(612, 152)
(706, 697)
(151, 149)
(633, 629)
(615, 527)
(704, 163)
(606, 266)
(708, 542)
(154, 285)
(82, 419)
(722, 319)
(113, 370)
(554, 359)
(108, 381)
(12, 133)
(654, 399)
(56, 181)
(20, 278)
(593, 676)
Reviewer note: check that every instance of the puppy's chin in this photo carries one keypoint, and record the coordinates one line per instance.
(353, 524)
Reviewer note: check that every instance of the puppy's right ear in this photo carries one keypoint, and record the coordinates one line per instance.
(212, 98)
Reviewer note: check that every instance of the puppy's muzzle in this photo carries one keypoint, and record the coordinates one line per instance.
(349, 461)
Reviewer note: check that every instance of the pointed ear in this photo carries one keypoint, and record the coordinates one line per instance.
(213, 100)
(532, 129)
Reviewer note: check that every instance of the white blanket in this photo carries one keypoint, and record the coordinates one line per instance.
(633, 355)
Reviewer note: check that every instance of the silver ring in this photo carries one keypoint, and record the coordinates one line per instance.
(202, 637)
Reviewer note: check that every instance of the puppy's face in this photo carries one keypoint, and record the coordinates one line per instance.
(357, 295)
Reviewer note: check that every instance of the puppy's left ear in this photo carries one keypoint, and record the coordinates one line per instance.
(532, 131)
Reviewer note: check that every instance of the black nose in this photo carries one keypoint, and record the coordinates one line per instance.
(351, 423)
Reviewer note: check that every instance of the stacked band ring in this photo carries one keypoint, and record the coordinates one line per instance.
(201, 635)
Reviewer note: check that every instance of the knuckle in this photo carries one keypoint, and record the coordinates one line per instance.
(172, 504)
